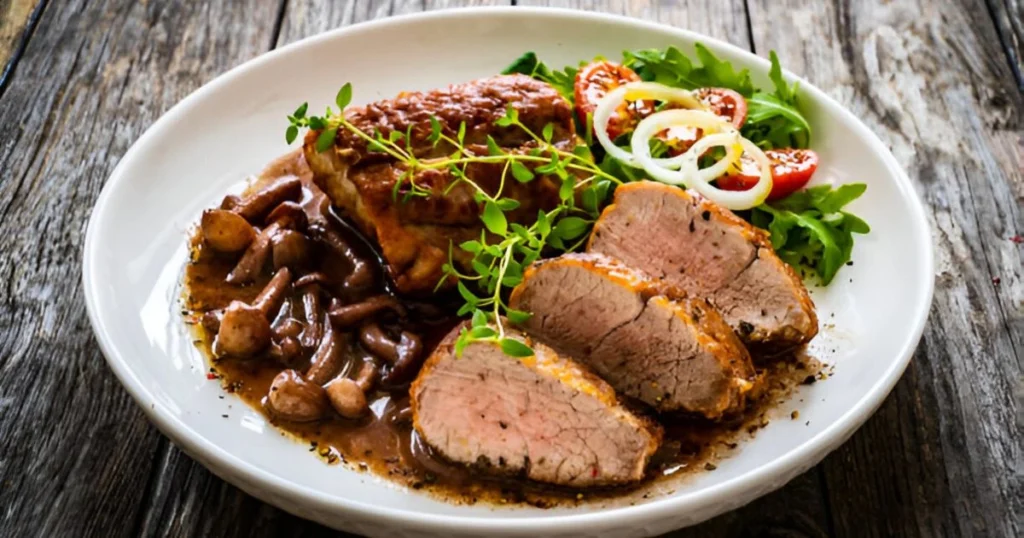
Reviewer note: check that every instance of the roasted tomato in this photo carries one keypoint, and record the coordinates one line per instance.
(597, 79)
(724, 102)
(791, 170)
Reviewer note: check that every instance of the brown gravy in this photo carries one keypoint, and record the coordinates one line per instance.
(384, 442)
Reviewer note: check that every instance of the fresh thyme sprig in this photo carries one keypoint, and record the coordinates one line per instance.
(505, 247)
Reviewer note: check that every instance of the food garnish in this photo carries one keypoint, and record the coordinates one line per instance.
(506, 248)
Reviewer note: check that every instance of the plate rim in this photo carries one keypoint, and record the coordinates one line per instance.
(774, 473)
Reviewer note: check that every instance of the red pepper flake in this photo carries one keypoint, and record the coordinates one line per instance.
(211, 375)
(593, 472)
(1017, 239)
(996, 280)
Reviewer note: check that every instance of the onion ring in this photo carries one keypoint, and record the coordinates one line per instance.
(734, 200)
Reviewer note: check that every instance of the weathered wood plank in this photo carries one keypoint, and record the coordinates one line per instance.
(1008, 16)
(931, 79)
(75, 452)
(16, 17)
(725, 20)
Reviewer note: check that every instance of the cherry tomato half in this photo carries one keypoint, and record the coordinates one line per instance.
(791, 170)
(723, 102)
(597, 79)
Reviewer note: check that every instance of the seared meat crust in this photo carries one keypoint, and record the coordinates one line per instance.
(706, 250)
(414, 234)
(543, 417)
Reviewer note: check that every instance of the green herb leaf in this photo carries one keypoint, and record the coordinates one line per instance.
(529, 65)
(492, 147)
(326, 139)
(466, 294)
(461, 342)
(344, 96)
(470, 246)
(435, 131)
(570, 228)
(480, 333)
(507, 204)
(479, 318)
(517, 316)
(809, 229)
(515, 348)
(494, 219)
(548, 132)
(521, 172)
(301, 111)
(291, 134)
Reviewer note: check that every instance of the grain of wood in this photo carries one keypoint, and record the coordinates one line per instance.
(15, 16)
(930, 78)
(1008, 16)
(75, 452)
(725, 19)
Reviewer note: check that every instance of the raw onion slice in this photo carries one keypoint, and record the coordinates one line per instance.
(700, 180)
(635, 91)
(663, 169)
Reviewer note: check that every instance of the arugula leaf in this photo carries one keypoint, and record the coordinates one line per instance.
(529, 65)
(773, 119)
(809, 228)
(671, 67)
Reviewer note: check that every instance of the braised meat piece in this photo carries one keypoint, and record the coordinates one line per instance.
(645, 338)
(706, 250)
(542, 417)
(414, 232)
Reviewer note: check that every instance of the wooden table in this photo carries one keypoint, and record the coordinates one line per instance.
(938, 80)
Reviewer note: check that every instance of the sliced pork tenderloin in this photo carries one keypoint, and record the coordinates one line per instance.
(544, 417)
(644, 337)
(706, 250)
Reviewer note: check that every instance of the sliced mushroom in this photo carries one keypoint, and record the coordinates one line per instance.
(377, 342)
(314, 317)
(410, 358)
(367, 376)
(230, 202)
(290, 215)
(269, 300)
(244, 329)
(293, 398)
(288, 328)
(290, 249)
(313, 278)
(258, 204)
(326, 362)
(361, 275)
(286, 350)
(225, 231)
(211, 320)
(255, 257)
(354, 314)
(347, 398)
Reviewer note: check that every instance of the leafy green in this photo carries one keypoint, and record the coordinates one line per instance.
(529, 65)
(810, 229)
(671, 67)
(773, 118)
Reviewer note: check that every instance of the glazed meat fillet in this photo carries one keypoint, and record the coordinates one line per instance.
(414, 232)
(543, 417)
(707, 251)
(647, 339)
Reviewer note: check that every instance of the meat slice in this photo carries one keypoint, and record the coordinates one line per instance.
(543, 417)
(645, 338)
(414, 232)
(706, 250)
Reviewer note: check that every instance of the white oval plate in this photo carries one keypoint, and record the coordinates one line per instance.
(230, 128)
